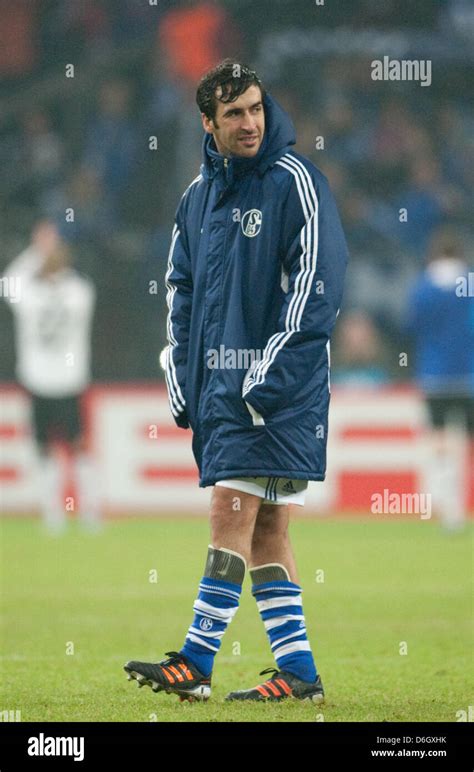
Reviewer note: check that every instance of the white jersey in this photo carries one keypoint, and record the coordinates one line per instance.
(53, 318)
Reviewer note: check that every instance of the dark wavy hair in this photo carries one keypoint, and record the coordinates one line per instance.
(234, 78)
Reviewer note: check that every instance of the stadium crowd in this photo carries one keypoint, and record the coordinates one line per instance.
(119, 141)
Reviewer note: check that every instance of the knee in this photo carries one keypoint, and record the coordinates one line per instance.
(270, 525)
(232, 511)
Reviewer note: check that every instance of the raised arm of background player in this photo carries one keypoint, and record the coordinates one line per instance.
(23, 268)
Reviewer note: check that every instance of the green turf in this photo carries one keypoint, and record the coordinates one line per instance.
(385, 583)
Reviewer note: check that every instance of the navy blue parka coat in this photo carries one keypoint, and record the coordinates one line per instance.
(255, 280)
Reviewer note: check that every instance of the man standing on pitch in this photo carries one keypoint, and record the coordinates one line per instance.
(256, 264)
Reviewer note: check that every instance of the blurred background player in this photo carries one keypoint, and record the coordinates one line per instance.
(361, 353)
(441, 321)
(53, 307)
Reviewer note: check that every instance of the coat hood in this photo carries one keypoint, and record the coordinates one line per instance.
(279, 135)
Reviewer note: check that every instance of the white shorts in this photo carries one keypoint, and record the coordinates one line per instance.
(273, 490)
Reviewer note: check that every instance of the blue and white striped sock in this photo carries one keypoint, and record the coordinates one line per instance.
(280, 606)
(215, 607)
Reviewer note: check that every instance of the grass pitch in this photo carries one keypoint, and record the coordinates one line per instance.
(387, 606)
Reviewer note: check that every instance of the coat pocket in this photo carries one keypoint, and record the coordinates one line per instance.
(257, 419)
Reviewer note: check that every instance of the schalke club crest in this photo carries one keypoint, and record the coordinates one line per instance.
(252, 222)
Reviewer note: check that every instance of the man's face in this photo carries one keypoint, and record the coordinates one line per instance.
(239, 126)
